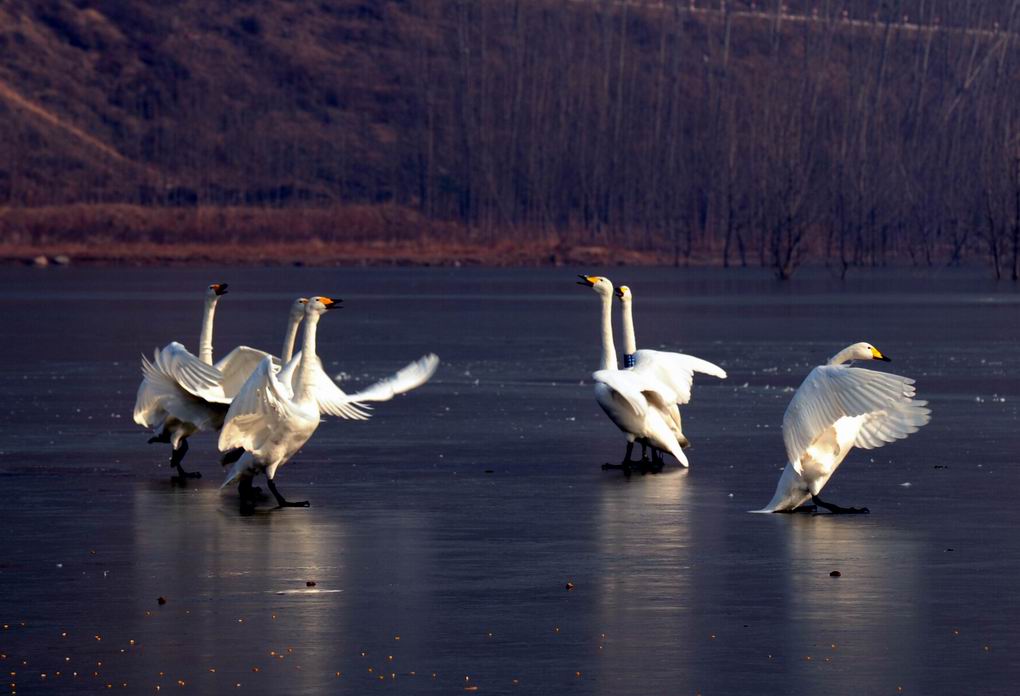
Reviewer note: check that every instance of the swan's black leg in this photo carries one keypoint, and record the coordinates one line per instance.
(625, 465)
(280, 500)
(164, 436)
(836, 509)
(657, 461)
(647, 465)
(248, 495)
(175, 461)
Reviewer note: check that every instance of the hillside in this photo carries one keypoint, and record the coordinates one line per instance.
(680, 131)
(241, 102)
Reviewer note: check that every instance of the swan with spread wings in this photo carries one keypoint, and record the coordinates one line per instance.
(673, 371)
(837, 408)
(277, 410)
(637, 403)
(182, 394)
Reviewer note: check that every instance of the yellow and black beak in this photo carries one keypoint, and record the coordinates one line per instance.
(877, 355)
(219, 288)
(587, 281)
(618, 292)
(330, 303)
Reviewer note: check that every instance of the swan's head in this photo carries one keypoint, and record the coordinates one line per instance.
(320, 304)
(297, 310)
(623, 292)
(216, 289)
(865, 351)
(599, 284)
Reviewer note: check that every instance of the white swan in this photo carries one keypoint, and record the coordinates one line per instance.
(181, 394)
(674, 371)
(278, 410)
(635, 402)
(835, 409)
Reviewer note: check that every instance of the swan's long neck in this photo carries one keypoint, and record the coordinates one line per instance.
(205, 338)
(608, 347)
(629, 342)
(843, 356)
(289, 339)
(306, 385)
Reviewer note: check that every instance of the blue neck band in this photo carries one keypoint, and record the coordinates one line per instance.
(628, 360)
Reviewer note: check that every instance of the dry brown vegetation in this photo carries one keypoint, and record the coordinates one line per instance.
(513, 131)
(352, 234)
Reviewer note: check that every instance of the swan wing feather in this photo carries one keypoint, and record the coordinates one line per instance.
(832, 392)
(332, 400)
(637, 390)
(261, 407)
(149, 411)
(190, 373)
(626, 387)
(237, 365)
(410, 377)
(894, 423)
(675, 371)
(160, 396)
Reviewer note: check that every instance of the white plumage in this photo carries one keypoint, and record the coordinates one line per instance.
(182, 394)
(277, 410)
(637, 402)
(837, 408)
(672, 372)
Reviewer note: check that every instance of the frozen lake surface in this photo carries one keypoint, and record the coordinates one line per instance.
(443, 531)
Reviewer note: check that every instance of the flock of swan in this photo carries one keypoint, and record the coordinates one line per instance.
(267, 407)
(836, 408)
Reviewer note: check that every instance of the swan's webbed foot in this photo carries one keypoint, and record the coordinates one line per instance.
(838, 510)
(183, 475)
(625, 467)
(627, 464)
(281, 501)
(800, 509)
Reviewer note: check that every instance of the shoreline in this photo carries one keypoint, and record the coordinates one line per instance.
(379, 254)
(394, 255)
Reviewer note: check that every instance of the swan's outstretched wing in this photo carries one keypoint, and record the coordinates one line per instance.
(645, 399)
(160, 396)
(411, 377)
(149, 411)
(831, 392)
(894, 423)
(637, 390)
(332, 400)
(626, 387)
(190, 373)
(237, 365)
(261, 407)
(675, 372)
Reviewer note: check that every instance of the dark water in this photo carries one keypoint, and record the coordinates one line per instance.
(434, 575)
